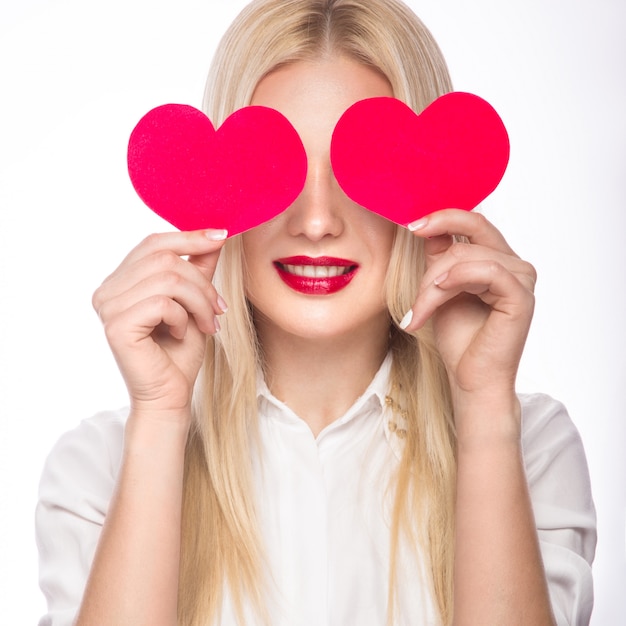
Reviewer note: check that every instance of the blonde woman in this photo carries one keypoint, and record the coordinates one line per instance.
(340, 449)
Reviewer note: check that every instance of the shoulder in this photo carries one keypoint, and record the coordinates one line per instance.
(560, 490)
(553, 449)
(86, 457)
(103, 433)
(548, 431)
(541, 411)
(75, 489)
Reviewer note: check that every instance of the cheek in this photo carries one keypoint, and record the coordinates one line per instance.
(259, 240)
(254, 242)
(380, 234)
(258, 265)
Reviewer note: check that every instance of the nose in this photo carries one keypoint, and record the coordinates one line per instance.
(316, 212)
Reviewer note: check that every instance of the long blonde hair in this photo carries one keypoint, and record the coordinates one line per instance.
(221, 545)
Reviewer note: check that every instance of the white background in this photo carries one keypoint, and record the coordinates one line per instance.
(75, 77)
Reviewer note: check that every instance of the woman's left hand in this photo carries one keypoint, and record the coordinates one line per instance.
(480, 297)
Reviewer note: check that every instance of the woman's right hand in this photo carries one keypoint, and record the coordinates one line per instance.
(157, 308)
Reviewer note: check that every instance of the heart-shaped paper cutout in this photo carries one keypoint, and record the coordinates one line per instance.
(235, 178)
(404, 166)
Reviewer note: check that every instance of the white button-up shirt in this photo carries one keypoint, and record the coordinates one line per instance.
(324, 513)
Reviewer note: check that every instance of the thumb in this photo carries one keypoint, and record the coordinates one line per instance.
(207, 262)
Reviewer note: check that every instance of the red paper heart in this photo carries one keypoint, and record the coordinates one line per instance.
(237, 177)
(404, 166)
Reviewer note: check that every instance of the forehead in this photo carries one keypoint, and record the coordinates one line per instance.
(306, 91)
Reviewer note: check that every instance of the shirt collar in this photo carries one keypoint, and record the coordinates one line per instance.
(377, 392)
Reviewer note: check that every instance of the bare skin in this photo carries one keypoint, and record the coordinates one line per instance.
(156, 309)
(480, 296)
(158, 306)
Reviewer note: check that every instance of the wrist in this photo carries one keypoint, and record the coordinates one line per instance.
(487, 420)
(153, 430)
(151, 411)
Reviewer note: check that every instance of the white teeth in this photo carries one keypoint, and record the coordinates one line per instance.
(317, 271)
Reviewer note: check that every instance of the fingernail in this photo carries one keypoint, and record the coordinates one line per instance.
(406, 320)
(216, 235)
(417, 225)
(222, 304)
(217, 325)
(440, 279)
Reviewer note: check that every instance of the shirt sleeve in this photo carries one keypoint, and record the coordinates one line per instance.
(74, 492)
(565, 517)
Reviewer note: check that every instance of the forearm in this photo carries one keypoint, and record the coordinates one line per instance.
(134, 575)
(499, 575)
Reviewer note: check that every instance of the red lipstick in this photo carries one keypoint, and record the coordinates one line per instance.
(318, 276)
